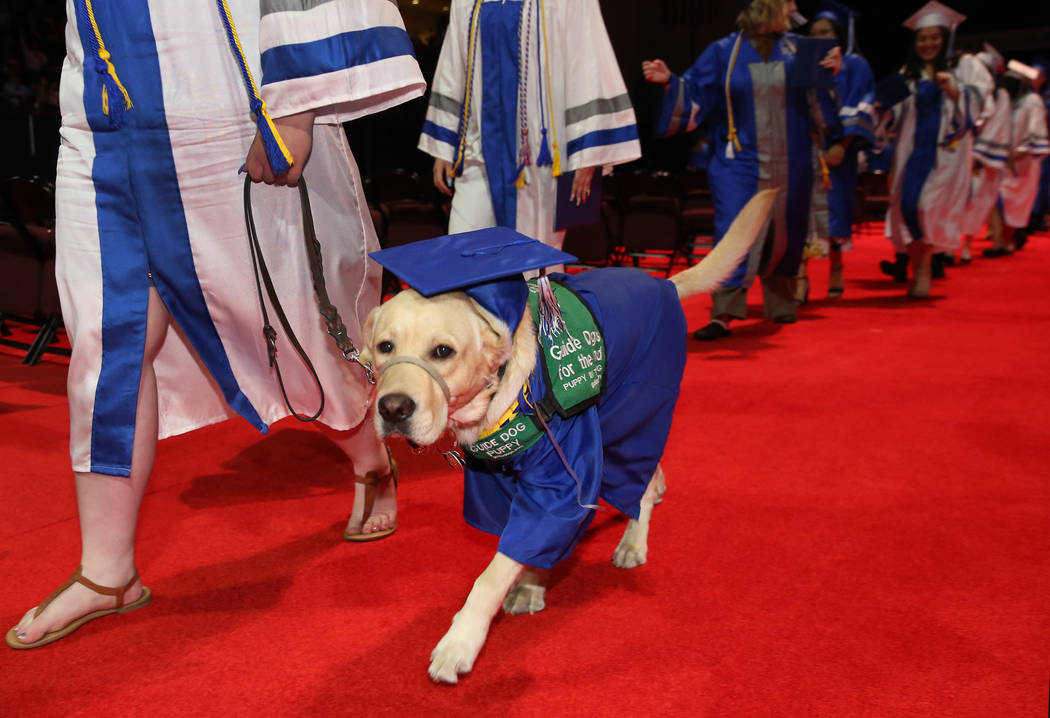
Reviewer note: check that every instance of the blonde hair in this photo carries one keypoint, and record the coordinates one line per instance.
(759, 15)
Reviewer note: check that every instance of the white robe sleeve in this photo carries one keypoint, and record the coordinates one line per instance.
(341, 58)
(1030, 127)
(598, 121)
(440, 136)
(992, 144)
(976, 86)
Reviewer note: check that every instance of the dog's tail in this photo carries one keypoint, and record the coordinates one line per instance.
(725, 257)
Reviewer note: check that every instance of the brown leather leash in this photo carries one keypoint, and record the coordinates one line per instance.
(330, 314)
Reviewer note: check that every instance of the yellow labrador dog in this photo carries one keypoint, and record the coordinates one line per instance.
(469, 362)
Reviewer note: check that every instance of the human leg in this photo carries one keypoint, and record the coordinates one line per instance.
(836, 283)
(920, 255)
(108, 507)
(374, 514)
(727, 303)
(802, 283)
(778, 298)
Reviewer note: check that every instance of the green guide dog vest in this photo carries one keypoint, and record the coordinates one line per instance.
(574, 364)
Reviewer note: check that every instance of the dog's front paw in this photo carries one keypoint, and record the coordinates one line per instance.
(455, 654)
(630, 554)
(525, 598)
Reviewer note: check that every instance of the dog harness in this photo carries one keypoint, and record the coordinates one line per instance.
(574, 365)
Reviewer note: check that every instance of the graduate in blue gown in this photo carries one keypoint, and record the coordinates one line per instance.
(762, 132)
(832, 225)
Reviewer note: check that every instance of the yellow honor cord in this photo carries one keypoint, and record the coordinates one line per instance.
(104, 55)
(472, 39)
(733, 140)
(825, 173)
(556, 154)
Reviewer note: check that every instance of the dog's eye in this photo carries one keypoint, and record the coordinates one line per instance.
(385, 347)
(443, 351)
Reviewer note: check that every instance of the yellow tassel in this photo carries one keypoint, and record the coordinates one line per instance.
(825, 173)
(520, 182)
(104, 55)
(556, 161)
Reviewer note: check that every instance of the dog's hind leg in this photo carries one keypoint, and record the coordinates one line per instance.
(527, 596)
(634, 546)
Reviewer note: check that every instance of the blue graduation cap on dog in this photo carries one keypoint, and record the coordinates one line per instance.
(486, 264)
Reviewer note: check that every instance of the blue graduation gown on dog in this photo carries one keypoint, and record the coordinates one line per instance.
(530, 500)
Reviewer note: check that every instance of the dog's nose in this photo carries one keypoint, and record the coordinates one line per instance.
(395, 408)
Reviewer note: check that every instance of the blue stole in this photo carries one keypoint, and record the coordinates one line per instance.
(499, 105)
(923, 152)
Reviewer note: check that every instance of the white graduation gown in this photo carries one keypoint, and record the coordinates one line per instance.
(592, 119)
(159, 201)
(933, 158)
(990, 149)
(1029, 143)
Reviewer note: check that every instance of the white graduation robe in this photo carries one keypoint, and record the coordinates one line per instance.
(1029, 144)
(162, 196)
(932, 160)
(592, 119)
(990, 149)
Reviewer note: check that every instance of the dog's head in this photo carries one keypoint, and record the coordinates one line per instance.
(437, 359)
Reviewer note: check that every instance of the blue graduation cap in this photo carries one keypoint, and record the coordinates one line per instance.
(841, 15)
(486, 264)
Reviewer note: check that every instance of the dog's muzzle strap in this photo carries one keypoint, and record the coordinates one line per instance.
(428, 368)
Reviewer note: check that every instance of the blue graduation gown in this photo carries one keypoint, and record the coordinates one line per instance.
(773, 122)
(856, 88)
(530, 500)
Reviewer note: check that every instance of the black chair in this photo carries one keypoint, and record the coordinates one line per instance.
(411, 208)
(697, 216)
(875, 186)
(650, 221)
(28, 290)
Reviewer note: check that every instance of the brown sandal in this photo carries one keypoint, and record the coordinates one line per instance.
(78, 577)
(370, 481)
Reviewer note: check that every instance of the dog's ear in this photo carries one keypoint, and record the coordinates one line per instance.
(497, 341)
(366, 335)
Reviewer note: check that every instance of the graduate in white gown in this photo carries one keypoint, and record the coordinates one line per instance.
(1028, 147)
(525, 91)
(991, 150)
(933, 157)
(161, 105)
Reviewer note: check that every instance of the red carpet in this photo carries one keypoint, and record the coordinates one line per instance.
(857, 524)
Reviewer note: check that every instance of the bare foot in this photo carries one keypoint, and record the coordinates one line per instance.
(73, 603)
(375, 509)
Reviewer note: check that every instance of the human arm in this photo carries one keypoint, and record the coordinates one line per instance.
(328, 63)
